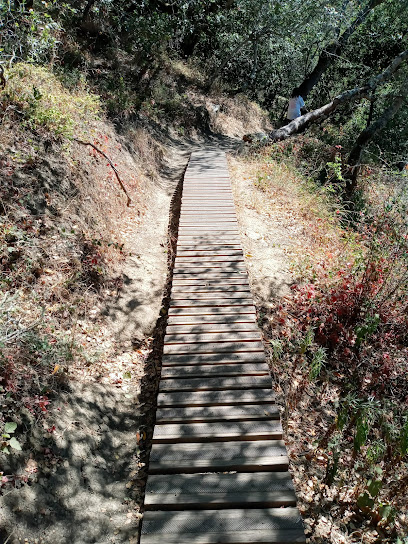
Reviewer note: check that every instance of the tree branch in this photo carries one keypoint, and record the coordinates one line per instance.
(347, 96)
(129, 200)
(334, 48)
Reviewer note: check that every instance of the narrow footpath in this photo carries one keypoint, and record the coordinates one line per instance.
(218, 470)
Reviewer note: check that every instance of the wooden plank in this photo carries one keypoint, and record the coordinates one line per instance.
(235, 317)
(197, 371)
(207, 207)
(215, 383)
(193, 290)
(207, 240)
(220, 270)
(177, 317)
(216, 253)
(237, 526)
(211, 213)
(231, 278)
(214, 358)
(224, 336)
(199, 414)
(208, 221)
(206, 247)
(185, 232)
(218, 197)
(206, 264)
(208, 260)
(210, 274)
(205, 272)
(213, 310)
(213, 347)
(209, 190)
(216, 432)
(207, 203)
(218, 302)
(265, 455)
(208, 295)
(211, 328)
(220, 398)
(197, 230)
(240, 281)
(213, 239)
(221, 191)
(210, 491)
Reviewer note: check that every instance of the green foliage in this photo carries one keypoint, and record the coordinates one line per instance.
(45, 104)
(318, 361)
(28, 35)
(403, 439)
(306, 341)
(367, 328)
(335, 169)
(277, 349)
(7, 440)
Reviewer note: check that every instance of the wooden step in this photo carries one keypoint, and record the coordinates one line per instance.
(204, 371)
(200, 328)
(214, 358)
(189, 458)
(222, 301)
(215, 398)
(204, 338)
(213, 347)
(206, 295)
(217, 432)
(205, 290)
(222, 317)
(214, 491)
(214, 311)
(207, 414)
(215, 383)
(236, 526)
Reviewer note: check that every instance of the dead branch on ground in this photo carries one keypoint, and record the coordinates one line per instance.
(129, 200)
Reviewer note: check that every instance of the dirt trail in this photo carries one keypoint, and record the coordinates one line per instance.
(265, 238)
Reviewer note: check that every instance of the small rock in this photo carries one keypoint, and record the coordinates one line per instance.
(253, 235)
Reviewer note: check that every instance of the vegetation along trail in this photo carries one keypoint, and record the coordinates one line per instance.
(101, 105)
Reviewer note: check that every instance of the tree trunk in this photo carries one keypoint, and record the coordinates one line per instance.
(333, 50)
(87, 10)
(354, 158)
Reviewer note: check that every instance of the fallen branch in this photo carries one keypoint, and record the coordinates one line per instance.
(129, 200)
(347, 96)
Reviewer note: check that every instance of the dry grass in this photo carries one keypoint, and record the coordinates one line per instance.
(237, 116)
(305, 209)
(148, 151)
(323, 252)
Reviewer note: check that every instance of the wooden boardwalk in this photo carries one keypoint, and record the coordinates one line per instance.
(218, 469)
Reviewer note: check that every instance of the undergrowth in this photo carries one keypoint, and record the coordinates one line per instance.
(339, 344)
